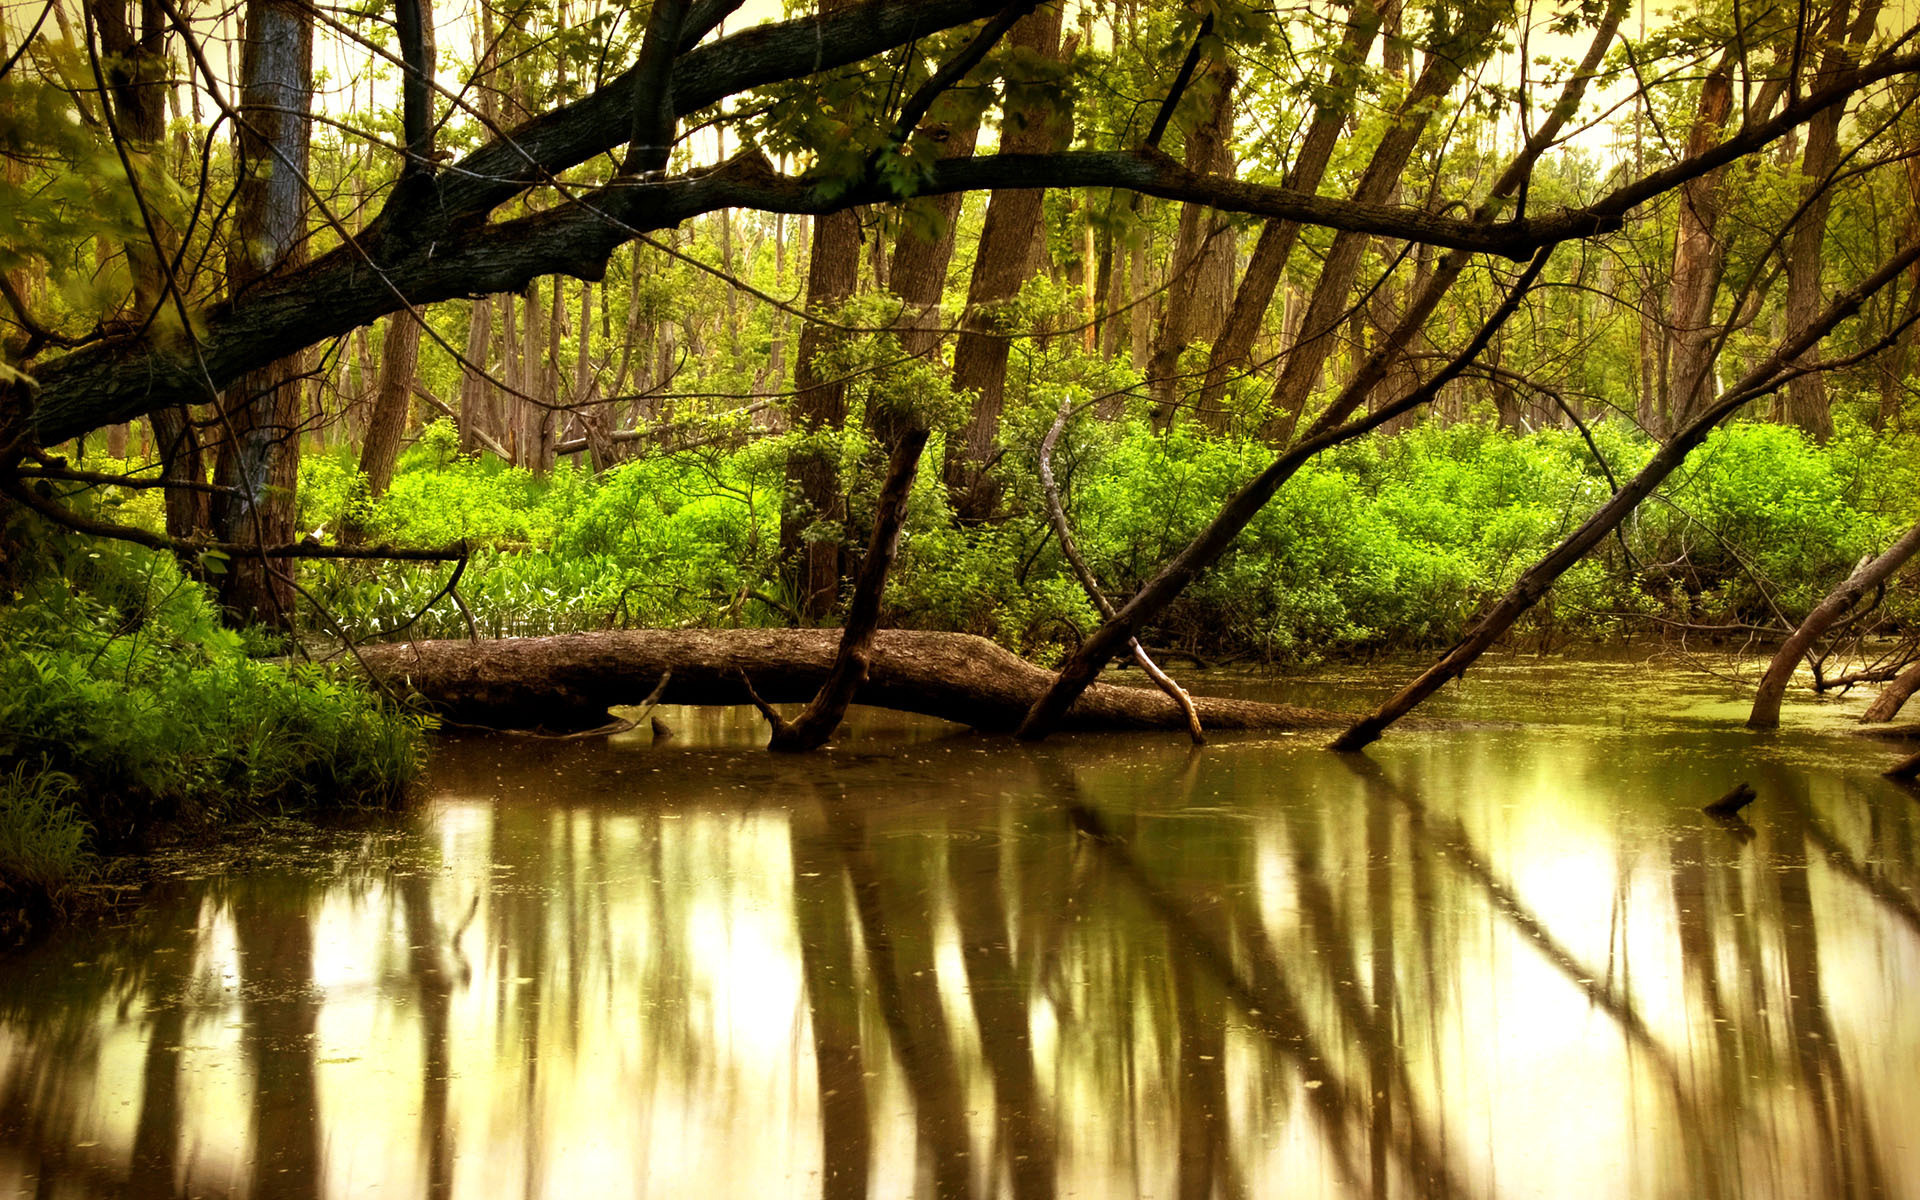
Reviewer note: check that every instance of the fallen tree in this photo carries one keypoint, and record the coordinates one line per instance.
(570, 680)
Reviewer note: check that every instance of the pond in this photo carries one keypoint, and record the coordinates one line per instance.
(1500, 955)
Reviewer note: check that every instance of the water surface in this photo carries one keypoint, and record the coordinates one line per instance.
(1505, 958)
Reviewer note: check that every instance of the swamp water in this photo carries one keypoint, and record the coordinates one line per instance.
(1509, 958)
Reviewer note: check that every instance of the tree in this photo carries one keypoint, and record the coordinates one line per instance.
(560, 176)
(260, 416)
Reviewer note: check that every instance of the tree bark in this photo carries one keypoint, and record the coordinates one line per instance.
(919, 271)
(1892, 698)
(568, 681)
(819, 407)
(1869, 575)
(1002, 264)
(260, 448)
(1806, 396)
(399, 362)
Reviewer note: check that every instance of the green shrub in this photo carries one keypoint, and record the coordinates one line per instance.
(124, 705)
(43, 838)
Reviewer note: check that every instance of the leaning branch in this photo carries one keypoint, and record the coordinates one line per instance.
(1768, 376)
(1063, 529)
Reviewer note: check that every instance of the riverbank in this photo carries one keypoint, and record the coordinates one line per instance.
(129, 714)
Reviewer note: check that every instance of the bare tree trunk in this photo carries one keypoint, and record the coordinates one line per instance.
(1700, 254)
(260, 450)
(399, 362)
(136, 75)
(1202, 264)
(819, 407)
(569, 680)
(1332, 294)
(1140, 315)
(1234, 345)
(476, 408)
(1002, 264)
(854, 657)
(1806, 396)
(919, 271)
(1892, 698)
(1869, 575)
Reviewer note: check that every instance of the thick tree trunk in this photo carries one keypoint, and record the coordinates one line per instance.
(1806, 397)
(399, 362)
(260, 447)
(921, 256)
(570, 680)
(819, 407)
(1869, 575)
(136, 74)
(1698, 259)
(1700, 256)
(1002, 264)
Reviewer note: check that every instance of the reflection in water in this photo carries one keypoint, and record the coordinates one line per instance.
(1486, 962)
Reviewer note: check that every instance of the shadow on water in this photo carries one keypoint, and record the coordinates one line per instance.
(1498, 961)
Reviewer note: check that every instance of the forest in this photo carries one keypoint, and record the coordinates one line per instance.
(953, 598)
(366, 368)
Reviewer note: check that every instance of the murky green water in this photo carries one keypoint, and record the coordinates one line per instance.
(1510, 959)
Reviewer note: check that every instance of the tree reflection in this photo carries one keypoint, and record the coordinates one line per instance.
(824, 915)
(274, 931)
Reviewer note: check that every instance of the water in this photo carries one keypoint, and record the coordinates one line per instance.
(1504, 958)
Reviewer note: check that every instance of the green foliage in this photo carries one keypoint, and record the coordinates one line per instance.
(1391, 543)
(1766, 521)
(43, 838)
(124, 704)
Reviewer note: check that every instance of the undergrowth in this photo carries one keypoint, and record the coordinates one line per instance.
(1390, 543)
(125, 706)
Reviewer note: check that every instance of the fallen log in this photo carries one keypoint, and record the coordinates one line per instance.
(570, 680)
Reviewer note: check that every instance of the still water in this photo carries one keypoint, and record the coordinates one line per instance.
(1503, 957)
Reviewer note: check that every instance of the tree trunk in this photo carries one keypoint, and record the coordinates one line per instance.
(1001, 265)
(1700, 254)
(476, 394)
(854, 657)
(1892, 698)
(1869, 575)
(260, 450)
(1202, 264)
(136, 75)
(399, 360)
(921, 256)
(569, 681)
(819, 408)
(1332, 294)
(1806, 396)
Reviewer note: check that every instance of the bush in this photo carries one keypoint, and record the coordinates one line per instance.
(1391, 543)
(125, 705)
